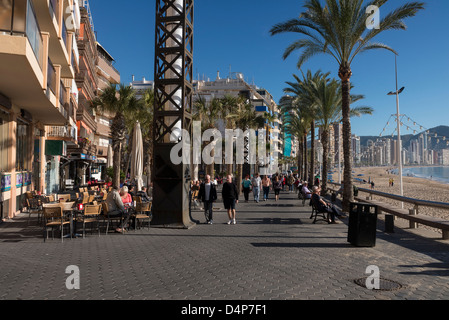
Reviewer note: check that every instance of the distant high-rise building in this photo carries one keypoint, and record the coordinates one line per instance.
(445, 157)
(356, 149)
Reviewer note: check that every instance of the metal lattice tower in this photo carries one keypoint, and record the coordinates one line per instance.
(172, 111)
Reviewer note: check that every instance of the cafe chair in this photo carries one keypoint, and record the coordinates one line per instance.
(34, 207)
(85, 198)
(64, 197)
(110, 219)
(54, 218)
(91, 215)
(143, 213)
(91, 199)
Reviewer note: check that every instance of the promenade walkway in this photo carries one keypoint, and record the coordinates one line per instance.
(274, 252)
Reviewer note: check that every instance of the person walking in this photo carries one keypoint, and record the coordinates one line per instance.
(246, 184)
(230, 198)
(266, 183)
(208, 195)
(291, 183)
(256, 184)
(277, 186)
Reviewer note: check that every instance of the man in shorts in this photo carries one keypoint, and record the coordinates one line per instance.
(230, 198)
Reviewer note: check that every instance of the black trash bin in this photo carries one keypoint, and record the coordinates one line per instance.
(362, 224)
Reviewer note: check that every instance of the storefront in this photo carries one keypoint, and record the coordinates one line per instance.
(16, 157)
(5, 180)
(77, 170)
(55, 151)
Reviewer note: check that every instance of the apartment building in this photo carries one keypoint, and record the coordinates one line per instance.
(261, 99)
(87, 159)
(38, 59)
(106, 74)
(140, 86)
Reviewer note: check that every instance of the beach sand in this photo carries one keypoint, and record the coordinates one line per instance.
(413, 188)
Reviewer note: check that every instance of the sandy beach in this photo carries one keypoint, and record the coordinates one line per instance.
(413, 188)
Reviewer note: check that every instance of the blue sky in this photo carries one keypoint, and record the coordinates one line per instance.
(234, 35)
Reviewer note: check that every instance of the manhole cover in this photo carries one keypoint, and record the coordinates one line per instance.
(384, 284)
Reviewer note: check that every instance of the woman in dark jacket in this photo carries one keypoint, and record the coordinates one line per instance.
(230, 198)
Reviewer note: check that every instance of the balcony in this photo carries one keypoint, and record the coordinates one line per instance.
(85, 146)
(23, 63)
(66, 133)
(48, 13)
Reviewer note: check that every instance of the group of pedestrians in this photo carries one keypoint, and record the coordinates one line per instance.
(263, 186)
(257, 185)
(230, 194)
(208, 195)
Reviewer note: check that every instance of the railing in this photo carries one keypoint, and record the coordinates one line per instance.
(61, 132)
(62, 94)
(54, 7)
(415, 202)
(20, 19)
(51, 77)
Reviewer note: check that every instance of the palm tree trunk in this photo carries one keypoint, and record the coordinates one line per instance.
(239, 177)
(117, 129)
(305, 173)
(312, 153)
(130, 150)
(325, 141)
(116, 163)
(345, 75)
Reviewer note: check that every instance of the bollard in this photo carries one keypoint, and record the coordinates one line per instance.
(445, 235)
(413, 225)
(389, 223)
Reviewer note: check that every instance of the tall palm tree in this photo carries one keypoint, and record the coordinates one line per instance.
(208, 112)
(301, 89)
(119, 101)
(229, 106)
(144, 115)
(340, 30)
(296, 121)
(245, 118)
(328, 96)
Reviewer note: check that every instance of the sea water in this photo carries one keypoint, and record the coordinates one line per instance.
(440, 174)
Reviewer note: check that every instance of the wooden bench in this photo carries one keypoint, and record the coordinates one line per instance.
(410, 215)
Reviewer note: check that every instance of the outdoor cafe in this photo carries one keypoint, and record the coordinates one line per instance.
(72, 215)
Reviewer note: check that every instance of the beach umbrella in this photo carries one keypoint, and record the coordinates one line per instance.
(137, 157)
(109, 162)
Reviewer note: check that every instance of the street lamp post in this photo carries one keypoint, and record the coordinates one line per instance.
(399, 155)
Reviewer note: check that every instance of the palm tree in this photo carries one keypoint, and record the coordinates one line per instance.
(245, 118)
(208, 113)
(229, 106)
(328, 96)
(301, 89)
(144, 115)
(340, 29)
(119, 102)
(296, 122)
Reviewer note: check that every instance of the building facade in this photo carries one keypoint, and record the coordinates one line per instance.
(261, 100)
(38, 59)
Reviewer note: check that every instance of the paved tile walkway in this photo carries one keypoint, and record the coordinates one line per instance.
(274, 252)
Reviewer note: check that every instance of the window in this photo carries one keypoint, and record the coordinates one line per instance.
(22, 146)
(4, 141)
